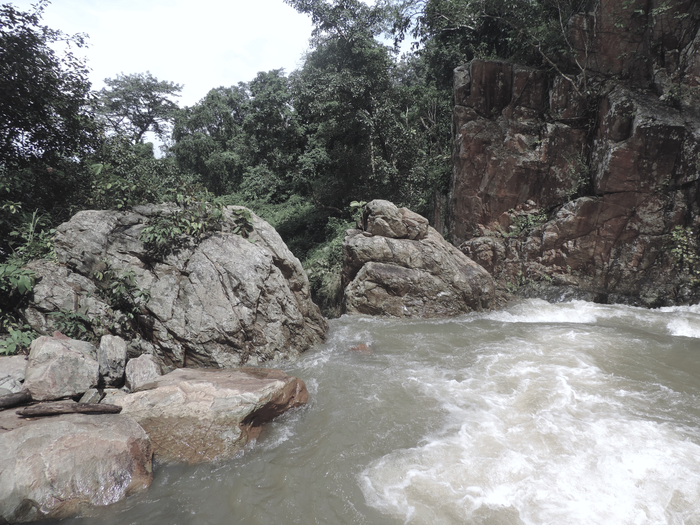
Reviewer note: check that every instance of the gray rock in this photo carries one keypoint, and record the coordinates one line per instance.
(52, 468)
(142, 370)
(91, 396)
(111, 356)
(226, 302)
(195, 415)
(383, 218)
(12, 369)
(411, 278)
(60, 367)
(110, 394)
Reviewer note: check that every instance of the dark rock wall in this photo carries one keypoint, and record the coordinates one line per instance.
(580, 181)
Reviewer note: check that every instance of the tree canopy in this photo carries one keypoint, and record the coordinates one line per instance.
(44, 93)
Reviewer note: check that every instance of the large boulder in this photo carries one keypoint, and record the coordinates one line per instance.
(60, 367)
(54, 467)
(223, 302)
(196, 415)
(111, 356)
(409, 277)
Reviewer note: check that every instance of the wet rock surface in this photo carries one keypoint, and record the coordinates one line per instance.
(405, 277)
(196, 415)
(52, 468)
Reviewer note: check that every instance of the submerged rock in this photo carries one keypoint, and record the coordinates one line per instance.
(197, 415)
(403, 277)
(54, 467)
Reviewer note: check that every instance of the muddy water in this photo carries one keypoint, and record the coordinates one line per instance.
(541, 414)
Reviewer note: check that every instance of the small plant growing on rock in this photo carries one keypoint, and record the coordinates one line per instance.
(123, 296)
(685, 252)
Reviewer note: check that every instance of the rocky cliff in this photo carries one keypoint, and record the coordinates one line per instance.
(586, 183)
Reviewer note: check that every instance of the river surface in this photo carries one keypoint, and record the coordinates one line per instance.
(572, 413)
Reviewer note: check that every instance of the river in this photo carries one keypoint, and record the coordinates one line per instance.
(571, 413)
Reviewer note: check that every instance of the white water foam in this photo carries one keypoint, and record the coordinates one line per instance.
(538, 435)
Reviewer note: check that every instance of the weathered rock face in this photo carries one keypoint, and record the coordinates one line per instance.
(556, 186)
(141, 370)
(207, 415)
(54, 467)
(12, 369)
(111, 356)
(226, 302)
(403, 277)
(60, 368)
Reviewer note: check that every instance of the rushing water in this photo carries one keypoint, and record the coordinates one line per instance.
(571, 413)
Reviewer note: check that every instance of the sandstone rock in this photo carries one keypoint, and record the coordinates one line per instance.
(52, 468)
(225, 302)
(404, 278)
(12, 370)
(60, 368)
(195, 415)
(142, 370)
(111, 356)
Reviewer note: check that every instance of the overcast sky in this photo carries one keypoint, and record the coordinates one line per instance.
(201, 44)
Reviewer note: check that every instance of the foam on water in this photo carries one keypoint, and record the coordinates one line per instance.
(536, 433)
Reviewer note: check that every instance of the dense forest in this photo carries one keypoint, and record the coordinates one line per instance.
(357, 121)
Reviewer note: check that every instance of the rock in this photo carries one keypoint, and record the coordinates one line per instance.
(546, 201)
(110, 394)
(91, 396)
(111, 356)
(225, 302)
(406, 278)
(60, 368)
(12, 369)
(53, 467)
(142, 370)
(385, 219)
(195, 415)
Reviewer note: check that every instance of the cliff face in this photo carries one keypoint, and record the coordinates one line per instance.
(588, 183)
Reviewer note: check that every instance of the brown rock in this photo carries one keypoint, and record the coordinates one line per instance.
(195, 415)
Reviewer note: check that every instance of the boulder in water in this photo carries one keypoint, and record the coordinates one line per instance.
(197, 415)
(424, 276)
(54, 467)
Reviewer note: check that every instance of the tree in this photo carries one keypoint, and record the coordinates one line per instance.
(44, 94)
(133, 104)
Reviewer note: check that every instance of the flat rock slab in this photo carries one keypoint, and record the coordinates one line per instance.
(197, 415)
(52, 468)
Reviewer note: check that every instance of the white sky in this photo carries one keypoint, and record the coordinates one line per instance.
(201, 44)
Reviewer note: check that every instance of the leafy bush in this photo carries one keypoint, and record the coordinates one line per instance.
(123, 296)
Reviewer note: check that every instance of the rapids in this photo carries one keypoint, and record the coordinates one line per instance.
(572, 413)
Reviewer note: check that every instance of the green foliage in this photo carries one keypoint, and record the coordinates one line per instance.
(190, 222)
(685, 251)
(18, 339)
(324, 266)
(75, 325)
(525, 223)
(16, 284)
(133, 104)
(45, 91)
(33, 238)
(123, 296)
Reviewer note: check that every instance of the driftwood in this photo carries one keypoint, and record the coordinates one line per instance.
(12, 400)
(52, 409)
